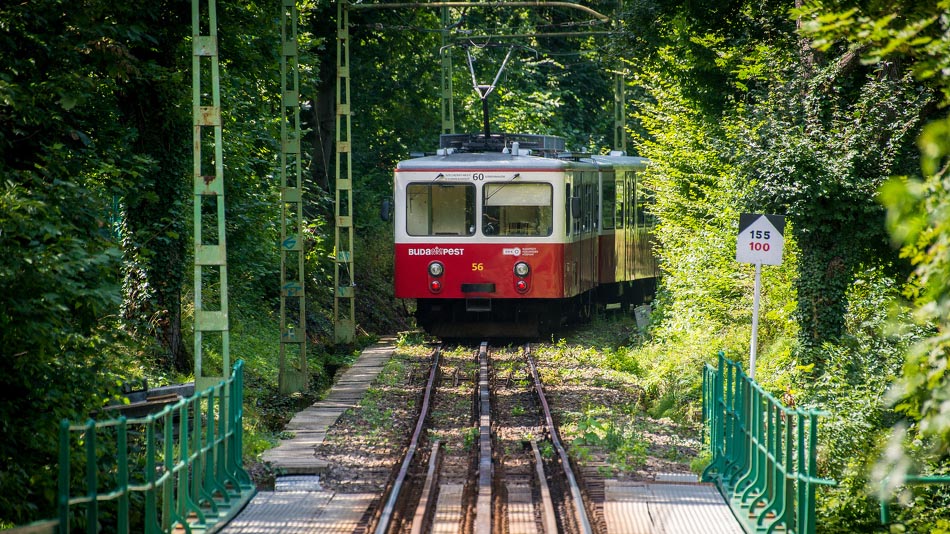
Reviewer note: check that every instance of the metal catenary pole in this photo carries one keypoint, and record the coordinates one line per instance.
(293, 375)
(620, 112)
(210, 250)
(344, 307)
(448, 110)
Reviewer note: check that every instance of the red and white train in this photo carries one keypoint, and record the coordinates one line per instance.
(514, 236)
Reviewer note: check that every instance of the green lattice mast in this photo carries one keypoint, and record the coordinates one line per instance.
(344, 307)
(293, 374)
(210, 250)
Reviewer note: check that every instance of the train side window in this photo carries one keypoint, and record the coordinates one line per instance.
(578, 218)
(608, 202)
(593, 202)
(587, 222)
(644, 201)
(631, 198)
(567, 208)
(618, 215)
(440, 209)
(517, 209)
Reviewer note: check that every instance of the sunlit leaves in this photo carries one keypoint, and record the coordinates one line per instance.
(885, 33)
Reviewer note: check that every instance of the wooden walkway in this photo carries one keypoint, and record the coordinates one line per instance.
(674, 504)
(296, 456)
(298, 504)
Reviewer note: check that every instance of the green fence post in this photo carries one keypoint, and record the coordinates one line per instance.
(709, 409)
(812, 472)
(92, 507)
(735, 421)
(748, 484)
(727, 423)
(151, 478)
(122, 475)
(62, 503)
(169, 510)
(788, 508)
(715, 421)
(211, 461)
(236, 430)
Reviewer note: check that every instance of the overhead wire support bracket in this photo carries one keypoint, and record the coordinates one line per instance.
(532, 35)
(400, 5)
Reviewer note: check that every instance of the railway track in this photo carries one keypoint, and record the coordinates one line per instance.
(485, 456)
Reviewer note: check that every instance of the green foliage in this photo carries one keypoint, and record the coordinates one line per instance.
(616, 433)
(916, 40)
(854, 391)
(68, 152)
(885, 32)
(918, 221)
(741, 117)
(470, 437)
(820, 160)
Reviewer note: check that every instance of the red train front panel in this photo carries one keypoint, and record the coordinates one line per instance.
(487, 225)
(479, 270)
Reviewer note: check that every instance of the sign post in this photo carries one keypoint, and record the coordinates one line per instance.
(761, 241)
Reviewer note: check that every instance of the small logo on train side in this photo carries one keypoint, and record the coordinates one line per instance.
(516, 251)
(436, 251)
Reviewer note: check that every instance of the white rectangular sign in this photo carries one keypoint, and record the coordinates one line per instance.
(761, 239)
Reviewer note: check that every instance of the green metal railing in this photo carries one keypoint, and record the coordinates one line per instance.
(763, 453)
(179, 469)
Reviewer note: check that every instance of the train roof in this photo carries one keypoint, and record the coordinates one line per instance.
(513, 151)
(481, 160)
(621, 161)
(541, 144)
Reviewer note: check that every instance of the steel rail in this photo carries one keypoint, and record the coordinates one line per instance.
(548, 517)
(400, 5)
(426, 502)
(382, 527)
(483, 503)
(580, 511)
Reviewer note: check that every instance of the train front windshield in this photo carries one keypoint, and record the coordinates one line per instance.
(521, 209)
(440, 209)
(508, 209)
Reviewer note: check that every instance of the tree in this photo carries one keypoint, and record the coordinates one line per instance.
(913, 37)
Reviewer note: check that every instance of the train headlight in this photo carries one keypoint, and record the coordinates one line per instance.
(522, 269)
(435, 286)
(436, 269)
(521, 286)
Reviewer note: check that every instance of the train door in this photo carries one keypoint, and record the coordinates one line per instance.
(589, 227)
(646, 263)
(571, 245)
(620, 238)
(632, 241)
(606, 241)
